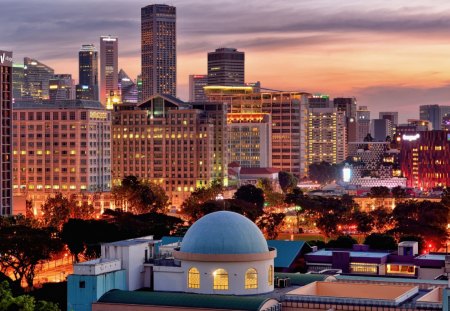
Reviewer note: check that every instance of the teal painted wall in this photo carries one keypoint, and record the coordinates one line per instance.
(81, 299)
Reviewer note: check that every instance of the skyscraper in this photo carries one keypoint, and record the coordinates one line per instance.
(18, 85)
(159, 51)
(87, 87)
(226, 66)
(61, 87)
(5, 133)
(362, 123)
(128, 88)
(390, 115)
(36, 77)
(434, 114)
(196, 91)
(108, 68)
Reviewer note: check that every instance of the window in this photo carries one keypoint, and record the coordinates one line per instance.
(220, 279)
(251, 279)
(193, 278)
(270, 275)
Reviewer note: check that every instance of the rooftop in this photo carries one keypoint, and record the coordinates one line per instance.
(131, 242)
(432, 257)
(60, 104)
(287, 251)
(353, 254)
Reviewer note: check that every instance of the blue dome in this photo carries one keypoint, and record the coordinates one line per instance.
(224, 233)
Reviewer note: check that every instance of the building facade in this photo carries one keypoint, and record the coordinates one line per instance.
(18, 85)
(87, 88)
(36, 76)
(63, 147)
(380, 129)
(362, 123)
(425, 159)
(326, 135)
(109, 69)
(434, 114)
(127, 88)
(226, 67)
(6, 99)
(196, 91)
(159, 51)
(162, 140)
(61, 87)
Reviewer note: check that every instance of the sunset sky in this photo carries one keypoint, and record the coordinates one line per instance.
(391, 55)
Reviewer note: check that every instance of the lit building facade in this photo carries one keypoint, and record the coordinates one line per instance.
(109, 63)
(158, 48)
(61, 87)
(226, 67)
(63, 147)
(36, 77)
(196, 91)
(362, 123)
(164, 141)
(319, 101)
(128, 88)
(250, 139)
(326, 135)
(87, 88)
(434, 114)
(425, 159)
(6, 99)
(18, 85)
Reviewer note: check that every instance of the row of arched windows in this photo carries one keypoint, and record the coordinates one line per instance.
(220, 278)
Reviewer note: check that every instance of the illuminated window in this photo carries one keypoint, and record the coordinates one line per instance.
(251, 279)
(220, 279)
(193, 278)
(270, 275)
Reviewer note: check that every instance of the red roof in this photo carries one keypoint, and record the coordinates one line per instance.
(258, 170)
(234, 164)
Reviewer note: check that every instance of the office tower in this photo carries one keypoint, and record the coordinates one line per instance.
(434, 114)
(289, 121)
(250, 139)
(61, 87)
(319, 101)
(226, 67)
(159, 50)
(36, 76)
(196, 91)
(168, 143)
(87, 87)
(6, 133)
(326, 135)
(256, 86)
(362, 123)
(424, 159)
(18, 84)
(127, 88)
(139, 87)
(391, 116)
(109, 68)
(348, 105)
(380, 129)
(62, 147)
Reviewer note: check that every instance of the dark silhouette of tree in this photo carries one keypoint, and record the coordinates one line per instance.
(56, 210)
(270, 224)
(287, 181)
(399, 192)
(192, 206)
(364, 221)
(368, 138)
(324, 172)
(343, 241)
(381, 241)
(250, 194)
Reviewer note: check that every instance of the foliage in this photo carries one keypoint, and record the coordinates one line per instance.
(364, 221)
(382, 220)
(381, 241)
(23, 302)
(270, 224)
(287, 181)
(192, 205)
(250, 194)
(23, 248)
(399, 192)
(324, 172)
(274, 199)
(140, 197)
(265, 184)
(379, 192)
(343, 241)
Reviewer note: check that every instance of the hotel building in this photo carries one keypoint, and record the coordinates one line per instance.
(226, 67)
(196, 91)
(87, 87)
(109, 71)
(163, 140)
(6, 99)
(63, 147)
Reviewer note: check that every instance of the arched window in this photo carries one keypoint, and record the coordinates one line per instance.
(220, 279)
(270, 274)
(193, 278)
(251, 279)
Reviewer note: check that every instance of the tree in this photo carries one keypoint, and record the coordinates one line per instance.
(23, 248)
(343, 241)
(265, 184)
(251, 194)
(382, 220)
(192, 206)
(381, 241)
(364, 221)
(84, 211)
(270, 224)
(399, 192)
(287, 181)
(379, 192)
(29, 209)
(23, 302)
(56, 210)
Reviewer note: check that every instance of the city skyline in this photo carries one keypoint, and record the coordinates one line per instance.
(385, 56)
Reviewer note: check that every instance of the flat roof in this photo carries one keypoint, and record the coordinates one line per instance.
(336, 291)
(353, 254)
(129, 242)
(432, 257)
(396, 279)
(249, 303)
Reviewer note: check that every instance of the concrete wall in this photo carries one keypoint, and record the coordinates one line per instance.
(169, 279)
(429, 273)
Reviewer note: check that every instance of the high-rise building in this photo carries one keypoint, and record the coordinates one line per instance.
(434, 114)
(61, 87)
(348, 105)
(326, 135)
(165, 141)
(380, 129)
(362, 123)
(139, 87)
(226, 67)
(6, 98)
(87, 87)
(36, 77)
(391, 116)
(196, 91)
(109, 68)
(18, 85)
(61, 147)
(159, 50)
(128, 89)
(319, 101)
